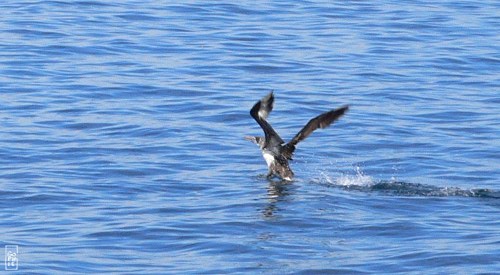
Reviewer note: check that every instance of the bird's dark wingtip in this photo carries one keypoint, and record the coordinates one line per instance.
(269, 97)
(342, 110)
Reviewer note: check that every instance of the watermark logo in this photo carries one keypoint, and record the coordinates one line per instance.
(11, 257)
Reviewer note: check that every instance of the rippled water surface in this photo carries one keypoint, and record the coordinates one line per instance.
(122, 125)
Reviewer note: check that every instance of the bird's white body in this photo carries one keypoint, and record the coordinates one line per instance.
(268, 157)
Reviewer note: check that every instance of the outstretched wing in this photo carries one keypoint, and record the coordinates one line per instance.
(322, 121)
(260, 111)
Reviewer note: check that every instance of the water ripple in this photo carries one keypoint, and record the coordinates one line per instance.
(122, 147)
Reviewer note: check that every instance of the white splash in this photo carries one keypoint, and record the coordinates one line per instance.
(358, 179)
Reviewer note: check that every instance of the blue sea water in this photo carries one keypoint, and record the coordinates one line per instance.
(122, 125)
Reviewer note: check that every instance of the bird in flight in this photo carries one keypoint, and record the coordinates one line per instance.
(275, 151)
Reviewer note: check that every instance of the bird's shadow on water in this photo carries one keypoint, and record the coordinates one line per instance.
(425, 190)
(361, 182)
(408, 189)
(279, 190)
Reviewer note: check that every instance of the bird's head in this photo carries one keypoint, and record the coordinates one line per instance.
(257, 140)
